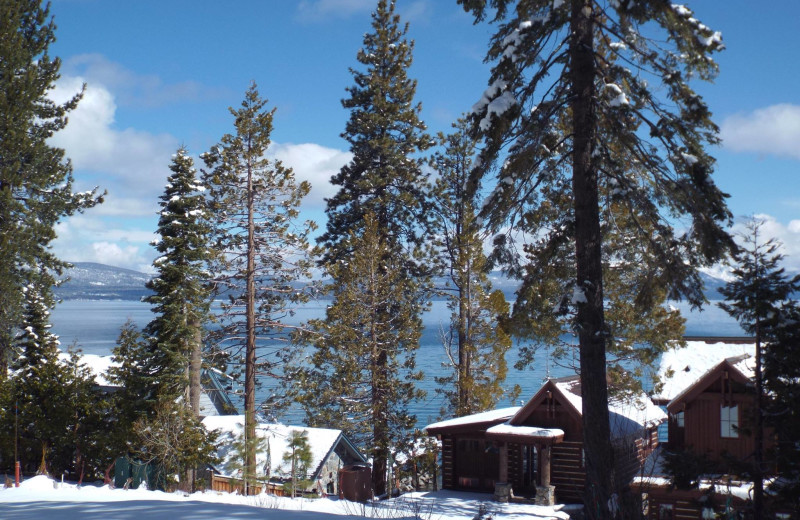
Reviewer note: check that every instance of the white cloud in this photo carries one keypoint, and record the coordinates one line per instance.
(130, 161)
(787, 234)
(315, 164)
(773, 130)
(132, 89)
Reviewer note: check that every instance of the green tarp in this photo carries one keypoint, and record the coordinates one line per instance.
(137, 472)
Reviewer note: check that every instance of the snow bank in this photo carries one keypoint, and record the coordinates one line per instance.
(41, 497)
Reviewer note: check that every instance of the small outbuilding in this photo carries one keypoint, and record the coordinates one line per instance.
(331, 451)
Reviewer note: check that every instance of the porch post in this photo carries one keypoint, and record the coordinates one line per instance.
(502, 487)
(544, 472)
(545, 493)
(503, 472)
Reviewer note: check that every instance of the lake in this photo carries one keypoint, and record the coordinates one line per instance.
(94, 326)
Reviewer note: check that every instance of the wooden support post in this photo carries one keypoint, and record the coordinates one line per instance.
(544, 465)
(503, 473)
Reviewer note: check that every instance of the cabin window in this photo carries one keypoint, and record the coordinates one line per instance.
(665, 512)
(729, 421)
(679, 419)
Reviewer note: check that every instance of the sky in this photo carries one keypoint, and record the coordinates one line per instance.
(162, 74)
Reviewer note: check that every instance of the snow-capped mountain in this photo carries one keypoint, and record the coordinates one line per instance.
(91, 281)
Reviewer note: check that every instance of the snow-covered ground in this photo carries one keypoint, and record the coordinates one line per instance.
(41, 497)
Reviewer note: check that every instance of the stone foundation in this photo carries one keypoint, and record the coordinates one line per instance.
(545, 495)
(502, 491)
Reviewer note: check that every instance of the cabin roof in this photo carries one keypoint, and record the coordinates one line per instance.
(475, 420)
(680, 368)
(626, 414)
(739, 368)
(322, 441)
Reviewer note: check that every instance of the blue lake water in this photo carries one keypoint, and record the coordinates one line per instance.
(94, 326)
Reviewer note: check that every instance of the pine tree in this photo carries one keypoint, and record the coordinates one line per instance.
(35, 178)
(53, 396)
(299, 458)
(757, 297)
(385, 180)
(585, 95)
(360, 375)
(385, 135)
(475, 342)
(262, 249)
(181, 293)
(781, 380)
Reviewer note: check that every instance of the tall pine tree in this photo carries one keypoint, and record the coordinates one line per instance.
(585, 94)
(35, 179)
(360, 374)
(384, 180)
(180, 288)
(262, 250)
(476, 341)
(758, 298)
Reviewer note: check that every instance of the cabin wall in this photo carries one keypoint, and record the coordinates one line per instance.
(702, 430)
(568, 473)
(469, 462)
(328, 480)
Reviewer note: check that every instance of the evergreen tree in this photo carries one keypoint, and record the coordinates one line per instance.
(35, 179)
(181, 294)
(174, 439)
(584, 95)
(475, 342)
(781, 380)
(360, 373)
(262, 249)
(385, 180)
(134, 398)
(53, 396)
(385, 135)
(757, 297)
(299, 458)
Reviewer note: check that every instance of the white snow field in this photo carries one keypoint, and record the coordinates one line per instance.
(43, 498)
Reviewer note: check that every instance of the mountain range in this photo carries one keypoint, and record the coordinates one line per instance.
(92, 281)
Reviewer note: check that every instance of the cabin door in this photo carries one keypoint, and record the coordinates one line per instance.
(530, 470)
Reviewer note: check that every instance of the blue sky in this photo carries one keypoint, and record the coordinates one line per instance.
(163, 73)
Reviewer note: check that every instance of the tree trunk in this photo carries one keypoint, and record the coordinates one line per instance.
(758, 453)
(250, 354)
(380, 432)
(588, 260)
(195, 368)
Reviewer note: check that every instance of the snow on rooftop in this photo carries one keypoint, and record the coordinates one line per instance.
(320, 440)
(482, 417)
(679, 368)
(625, 415)
(526, 431)
(99, 365)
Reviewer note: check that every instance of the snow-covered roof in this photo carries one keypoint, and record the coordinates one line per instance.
(625, 414)
(99, 366)
(322, 441)
(680, 368)
(529, 432)
(501, 414)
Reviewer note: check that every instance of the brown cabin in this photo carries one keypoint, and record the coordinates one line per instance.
(713, 415)
(536, 451)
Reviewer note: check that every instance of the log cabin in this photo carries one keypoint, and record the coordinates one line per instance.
(536, 451)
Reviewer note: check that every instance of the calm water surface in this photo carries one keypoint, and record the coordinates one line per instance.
(94, 326)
